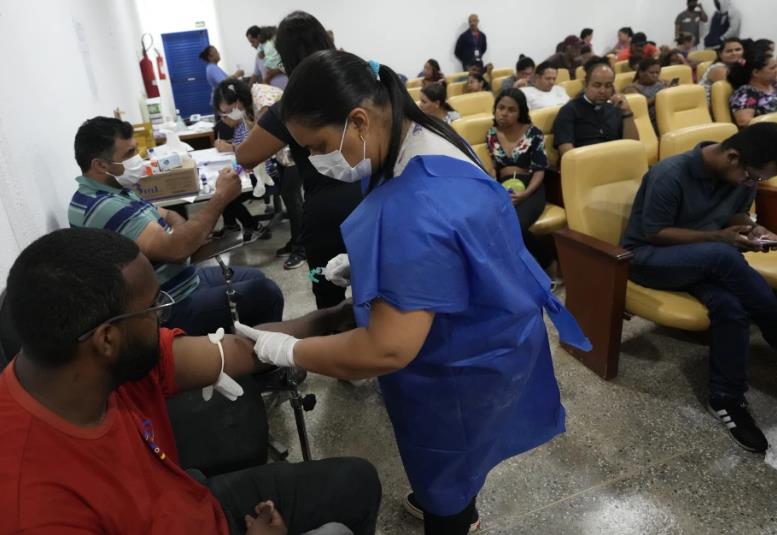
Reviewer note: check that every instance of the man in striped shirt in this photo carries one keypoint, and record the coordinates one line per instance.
(107, 155)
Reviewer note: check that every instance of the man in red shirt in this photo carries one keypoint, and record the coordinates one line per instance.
(87, 444)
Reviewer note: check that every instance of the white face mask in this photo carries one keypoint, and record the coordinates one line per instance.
(334, 164)
(134, 170)
(236, 114)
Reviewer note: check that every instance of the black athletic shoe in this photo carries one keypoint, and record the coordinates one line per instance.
(223, 230)
(284, 251)
(412, 507)
(294, 261)
(741, 426)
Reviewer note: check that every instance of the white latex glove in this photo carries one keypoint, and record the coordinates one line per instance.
(271, 348)
(224, 385)
(338, 271)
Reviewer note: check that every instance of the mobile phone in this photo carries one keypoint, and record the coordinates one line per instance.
(674, 82)
(760, 241)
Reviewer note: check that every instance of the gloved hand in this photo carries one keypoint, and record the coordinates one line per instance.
(338, 271)
(224, 385)
(271, 348)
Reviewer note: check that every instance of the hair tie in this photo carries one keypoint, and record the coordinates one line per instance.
(231, 87)
(375, 67)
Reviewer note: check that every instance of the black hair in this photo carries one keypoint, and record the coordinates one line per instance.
(727, 41)
(328, 85)
(436, 73)
(524, 62)
(482, 79)
(634, 61)
(544, 66)
(519, 98)
(665, 60)
(299, 35)
(627, 30)
(231, 91)
(639, 38)
(717, 4)
(762, 44)
(645, 64)
(205, 53)
(585, 49)
(253, 31)
(586, 32)
(592, 64)
(684, 38)
(96, 138)
(63, 285)
(739, 74)
(437, 92)
(756, 144)
(266, 33)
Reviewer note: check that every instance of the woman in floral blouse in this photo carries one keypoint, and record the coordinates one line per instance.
(754, 87)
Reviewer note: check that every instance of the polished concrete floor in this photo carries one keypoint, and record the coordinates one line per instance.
(640, 456)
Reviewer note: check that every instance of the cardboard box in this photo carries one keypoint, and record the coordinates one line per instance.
(181, 182)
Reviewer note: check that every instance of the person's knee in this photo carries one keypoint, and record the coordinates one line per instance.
(260, 297)
(364, 477)
(723, 258)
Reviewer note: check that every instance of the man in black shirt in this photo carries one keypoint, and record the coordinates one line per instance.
(688, 228)
(597, 115)
(471, 45)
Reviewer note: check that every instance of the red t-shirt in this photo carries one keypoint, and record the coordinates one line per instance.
(120, 477)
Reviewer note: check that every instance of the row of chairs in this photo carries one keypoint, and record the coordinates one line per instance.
(599, 184)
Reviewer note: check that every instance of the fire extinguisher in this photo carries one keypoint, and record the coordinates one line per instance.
(160, 65)
(147, 69)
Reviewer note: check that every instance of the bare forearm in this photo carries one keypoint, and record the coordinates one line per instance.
(174, 219)
(190, 235)
(349, 355)
(535, 182)
(317, 323)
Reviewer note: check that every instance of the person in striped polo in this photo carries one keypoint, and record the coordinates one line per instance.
(107, 155)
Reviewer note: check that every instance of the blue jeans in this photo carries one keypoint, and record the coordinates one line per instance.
(735, 294)
(259, 300)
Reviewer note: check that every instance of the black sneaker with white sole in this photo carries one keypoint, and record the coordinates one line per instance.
(413, 507)
(734, 415)
(294, 261)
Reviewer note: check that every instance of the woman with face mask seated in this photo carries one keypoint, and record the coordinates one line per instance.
(448, 301)
(434, 102)
(234, 107)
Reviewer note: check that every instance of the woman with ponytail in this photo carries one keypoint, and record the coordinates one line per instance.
(447, 300)
(753, 81)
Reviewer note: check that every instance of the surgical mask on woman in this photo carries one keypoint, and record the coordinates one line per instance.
(236, 114)
(134, 170)
(334, 164)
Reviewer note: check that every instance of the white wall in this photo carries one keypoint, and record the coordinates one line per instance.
(404, 33)
(65, 61)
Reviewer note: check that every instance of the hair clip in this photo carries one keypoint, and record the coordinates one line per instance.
(375, 66)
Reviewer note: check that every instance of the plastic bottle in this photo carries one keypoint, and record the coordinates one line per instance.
(179, 124)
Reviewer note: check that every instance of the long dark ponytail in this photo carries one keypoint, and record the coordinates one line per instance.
(329, 84)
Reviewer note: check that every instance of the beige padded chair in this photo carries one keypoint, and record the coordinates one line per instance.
(701, 68)
(562, 76)
(683, 72)
(572, 87)
(681, 106)
(580, 73)
(622, 80)
(480, 103)
(647, 134)
(684, 139)
(766, 118)
(473, 129)
(454, 77)
(481, 150)
(599, 183)
(415, 93)
(496, 84)
(504, 71)
(719, 95)
(456, 88)
(543, 119)
(414, 82)
(622, 66)
(700, 56)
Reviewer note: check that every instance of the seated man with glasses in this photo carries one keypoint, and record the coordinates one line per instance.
(87, 443)
(108, 157)
(689, 225)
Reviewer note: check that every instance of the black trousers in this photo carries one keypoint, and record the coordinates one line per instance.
(291, 193)
(457, 524)
(307, 495)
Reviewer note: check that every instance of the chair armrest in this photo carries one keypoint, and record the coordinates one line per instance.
(592, 246)
(766, 206)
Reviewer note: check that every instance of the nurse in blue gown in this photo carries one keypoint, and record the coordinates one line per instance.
(448, 302)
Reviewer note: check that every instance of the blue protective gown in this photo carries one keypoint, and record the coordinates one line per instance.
(443, 237)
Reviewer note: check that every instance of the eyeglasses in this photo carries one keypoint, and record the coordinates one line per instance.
(163, 308)
(753, 179)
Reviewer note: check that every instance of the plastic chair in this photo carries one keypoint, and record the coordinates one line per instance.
(683, 72)
(682, 106)
(647, 134)
(599, 184)
(683, 140)
(719, 95)
(481, 102)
